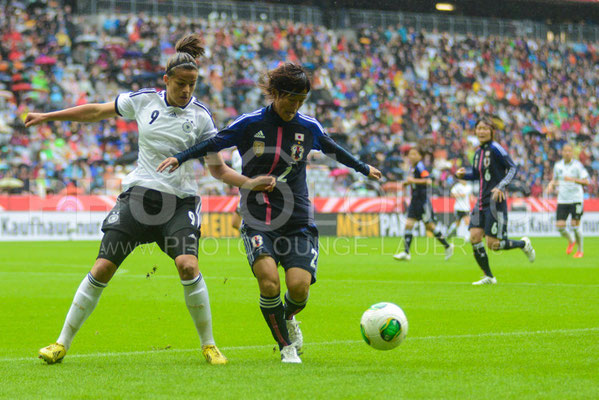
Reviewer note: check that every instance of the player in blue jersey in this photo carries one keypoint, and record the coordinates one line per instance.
(278, 227)
(421, 208)
(493, 169)
(153, 207)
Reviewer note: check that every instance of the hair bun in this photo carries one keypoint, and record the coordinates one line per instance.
(191, 44)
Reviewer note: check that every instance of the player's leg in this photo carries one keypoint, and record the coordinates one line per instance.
(298, 287)
(481, 257)
(453, 227)
(300, 263)
(114, 248)
(236, 220)
(576, 217)
(560, 223)
(466, 219)
(579, 239)
(298, 282)
(408, 236)
(430, 221)
(263, 261)
(273, 310)
(497, 234)
(197, 300)
(477, 232)
(179, 239)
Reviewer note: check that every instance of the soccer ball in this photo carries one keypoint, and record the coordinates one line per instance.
(384, 326)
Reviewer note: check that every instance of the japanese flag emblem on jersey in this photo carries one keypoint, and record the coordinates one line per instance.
(257, 241)
(258, 148)
(299, 137)
(297, 152)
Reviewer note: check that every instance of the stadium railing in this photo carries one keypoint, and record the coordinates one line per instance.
(224, 10)
(343, 18)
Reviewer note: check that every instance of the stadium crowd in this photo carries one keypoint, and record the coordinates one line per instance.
(377, 91)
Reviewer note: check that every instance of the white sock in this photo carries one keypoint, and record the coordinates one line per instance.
(84, 302)
(578, 235)
(566, 234)
(198, 304)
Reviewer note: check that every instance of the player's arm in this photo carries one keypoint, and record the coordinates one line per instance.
(583, 179)
(221, 171)
(86, 113)
(468, 174)
(224, 139)
(583, 182)
(338, 153)
(498, 192)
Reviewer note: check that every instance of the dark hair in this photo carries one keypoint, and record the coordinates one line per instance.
(287, 78)
(489, 122)
(188, 49)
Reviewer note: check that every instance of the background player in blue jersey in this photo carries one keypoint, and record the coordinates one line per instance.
(153, 207)
(278, 227)
(494, 170)
(421, 208)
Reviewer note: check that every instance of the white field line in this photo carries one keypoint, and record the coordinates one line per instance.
(334, 342)
(125, 274)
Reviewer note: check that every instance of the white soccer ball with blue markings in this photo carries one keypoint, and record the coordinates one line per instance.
(384, 326)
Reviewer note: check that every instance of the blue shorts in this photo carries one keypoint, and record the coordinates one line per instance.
(293, 248)
(492, 219)
(421, 210)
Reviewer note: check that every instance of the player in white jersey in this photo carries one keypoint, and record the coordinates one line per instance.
(461, 191)
(569, 176)
(154, 207)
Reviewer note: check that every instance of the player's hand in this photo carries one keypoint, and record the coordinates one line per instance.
(569, 179)
(460, 172)
(409, 181)
(34, 119)
(374, 173)
(497, 195)
(262, 183)
(169, 162)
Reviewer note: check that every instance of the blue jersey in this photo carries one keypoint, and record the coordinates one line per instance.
(420, 192)
(271, 146)
(493, 168)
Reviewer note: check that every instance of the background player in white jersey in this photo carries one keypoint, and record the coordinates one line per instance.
(569, 176)
(461, 191)
(154, 207)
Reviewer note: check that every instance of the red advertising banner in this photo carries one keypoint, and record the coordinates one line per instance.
(229, 204)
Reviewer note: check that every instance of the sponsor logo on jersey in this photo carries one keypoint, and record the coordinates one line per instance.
(258, 148)
(259, 135)
(187, 127)
(257, 241)
(299, 137)
(297, 152)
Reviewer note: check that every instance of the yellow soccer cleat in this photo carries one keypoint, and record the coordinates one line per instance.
(213, 355)
(53, 353)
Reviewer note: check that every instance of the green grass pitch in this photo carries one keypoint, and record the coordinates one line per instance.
(534, 335)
